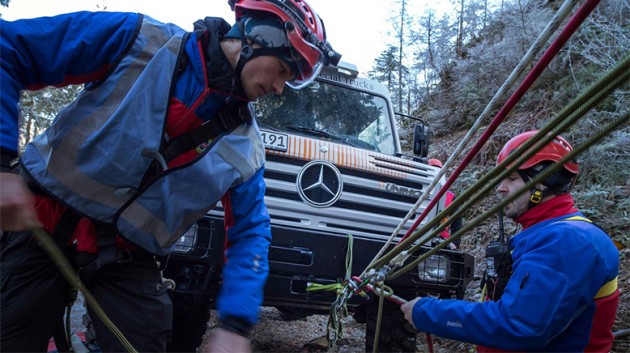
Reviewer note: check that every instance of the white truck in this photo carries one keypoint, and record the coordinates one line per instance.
(334, 167)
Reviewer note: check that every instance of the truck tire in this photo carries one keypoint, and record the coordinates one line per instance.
(396, 334)
(188, 330)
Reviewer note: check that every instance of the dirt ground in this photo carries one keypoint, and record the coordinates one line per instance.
(273, 334)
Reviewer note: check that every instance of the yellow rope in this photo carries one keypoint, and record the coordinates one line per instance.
(59, 259)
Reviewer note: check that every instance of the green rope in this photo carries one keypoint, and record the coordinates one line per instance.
(379, 318)
(539, 177)
(59, 259)
(614, 79)
(520, 68)
(334, 326)
(314, 287)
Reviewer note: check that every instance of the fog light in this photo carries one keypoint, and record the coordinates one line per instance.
(186, 243)
(434, 269)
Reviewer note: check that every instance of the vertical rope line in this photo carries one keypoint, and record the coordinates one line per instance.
(589, 98)
(539, 177)
(542, 38)
(544, 61)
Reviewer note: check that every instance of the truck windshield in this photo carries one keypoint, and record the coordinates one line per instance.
(330, 112)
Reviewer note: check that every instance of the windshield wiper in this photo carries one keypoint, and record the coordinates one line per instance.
(320, 133)
(267, 127)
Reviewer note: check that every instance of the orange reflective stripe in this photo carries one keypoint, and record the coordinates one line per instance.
(607, 289)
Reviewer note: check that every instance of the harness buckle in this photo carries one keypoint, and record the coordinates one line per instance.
(536, 197)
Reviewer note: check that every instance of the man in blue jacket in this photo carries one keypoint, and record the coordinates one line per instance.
(161, 132)
(562, 294)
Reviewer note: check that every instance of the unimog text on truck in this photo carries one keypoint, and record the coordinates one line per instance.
(334, 168)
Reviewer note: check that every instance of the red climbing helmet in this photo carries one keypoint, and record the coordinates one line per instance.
(435, 162)
(305, 31)
(554, 151)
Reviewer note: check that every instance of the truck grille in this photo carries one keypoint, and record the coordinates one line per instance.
(370, 203)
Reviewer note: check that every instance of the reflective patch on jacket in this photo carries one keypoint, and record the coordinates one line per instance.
(96, 154)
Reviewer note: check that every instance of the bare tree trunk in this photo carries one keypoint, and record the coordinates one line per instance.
(400, 53)
(485, 14)
(460, 31)
(429, 28)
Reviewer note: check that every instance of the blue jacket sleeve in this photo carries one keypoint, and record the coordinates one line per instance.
(557, 273)
(67, 49)
(248, 238)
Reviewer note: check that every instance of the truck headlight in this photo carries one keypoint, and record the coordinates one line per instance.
(186, 243)
(434, 269)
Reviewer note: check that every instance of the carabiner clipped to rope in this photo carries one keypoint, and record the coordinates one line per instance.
(386, 291)
(334, 327)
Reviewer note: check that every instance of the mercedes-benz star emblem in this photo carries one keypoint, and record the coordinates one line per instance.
(319, 183)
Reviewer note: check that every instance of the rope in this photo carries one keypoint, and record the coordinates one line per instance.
(542, 38)
(536, 71)
(571, 113)
(589, 98)
(334, 325)
(58, 258)
(539, 177)
(379, 317)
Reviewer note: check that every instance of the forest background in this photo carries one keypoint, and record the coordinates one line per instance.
(447, 69)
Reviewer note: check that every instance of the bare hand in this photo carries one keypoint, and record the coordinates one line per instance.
(407, 310)
(16, 204)
(224, 341)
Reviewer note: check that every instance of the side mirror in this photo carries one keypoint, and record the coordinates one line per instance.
(421, 140)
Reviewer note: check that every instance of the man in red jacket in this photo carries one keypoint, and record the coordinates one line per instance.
(457, 223)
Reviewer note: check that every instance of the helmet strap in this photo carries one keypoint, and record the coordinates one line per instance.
(535, 197)
(535, 194)
(248, 52)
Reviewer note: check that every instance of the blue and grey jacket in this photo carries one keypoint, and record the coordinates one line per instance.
(95, 156)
